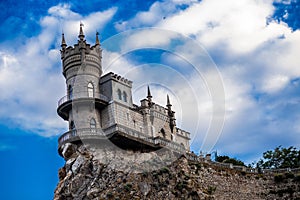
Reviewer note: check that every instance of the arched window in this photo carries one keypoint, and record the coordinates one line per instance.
(119, 94)
(163, 133)
(70, 92)
(182, 145)
(124, 96)
(93, 123)
(73, 128)
(90, 90)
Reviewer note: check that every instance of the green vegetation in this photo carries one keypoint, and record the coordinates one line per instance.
(227, 159)
(210, 190)
(280, 158)
(128, 187)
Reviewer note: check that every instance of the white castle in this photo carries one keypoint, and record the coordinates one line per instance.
(100, 107)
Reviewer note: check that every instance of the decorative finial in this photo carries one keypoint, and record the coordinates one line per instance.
(81, 34)
(168, 101)
(149, 93)
(63, 41)
(149, 97)
(97, 38)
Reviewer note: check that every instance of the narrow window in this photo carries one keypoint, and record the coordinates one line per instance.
(163, 133)
(93, 125)
(172, 137)
(73, 128)
(119, 94)
(90, 90)
(70, 92)
(124, 96)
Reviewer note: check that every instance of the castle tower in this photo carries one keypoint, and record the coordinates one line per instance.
(99, 107)
(83, 102)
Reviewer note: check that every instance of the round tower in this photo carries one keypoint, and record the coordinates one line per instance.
(83, 102)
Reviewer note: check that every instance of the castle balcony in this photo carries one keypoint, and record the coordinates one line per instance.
(65, 103)
(121, 136)
(73, 136)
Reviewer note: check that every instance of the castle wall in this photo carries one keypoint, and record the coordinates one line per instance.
(82, 114)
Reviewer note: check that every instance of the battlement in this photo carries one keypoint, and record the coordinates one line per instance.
(81, 56)
(117, 78)
(183, 133)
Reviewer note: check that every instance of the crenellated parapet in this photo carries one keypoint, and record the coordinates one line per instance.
(112, 76)
(81, 57)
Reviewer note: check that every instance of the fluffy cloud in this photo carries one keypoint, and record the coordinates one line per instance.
(30, 74)
(258, 60)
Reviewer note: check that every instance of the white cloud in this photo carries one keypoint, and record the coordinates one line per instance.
(256, 58)
(30, 77)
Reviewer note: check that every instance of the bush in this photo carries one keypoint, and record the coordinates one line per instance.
(165, 170)
(278, 178)
(210, 190)
(128, 186)
(289, 175)
(297, 178)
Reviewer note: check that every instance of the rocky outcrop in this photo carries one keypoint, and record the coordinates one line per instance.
(87, 177)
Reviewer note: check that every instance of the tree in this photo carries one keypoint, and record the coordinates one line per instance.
(280, 158)
(227, 159)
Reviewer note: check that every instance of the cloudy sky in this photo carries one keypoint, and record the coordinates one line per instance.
(231, 68)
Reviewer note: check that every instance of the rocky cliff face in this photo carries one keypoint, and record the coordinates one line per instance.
(87, 177)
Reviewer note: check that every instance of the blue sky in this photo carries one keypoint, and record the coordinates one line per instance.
(254, 46)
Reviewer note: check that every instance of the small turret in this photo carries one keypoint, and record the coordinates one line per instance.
(63, 42)
(171, 114)
(169, 105)
(97, 43)
(81, 34)
(149, 97)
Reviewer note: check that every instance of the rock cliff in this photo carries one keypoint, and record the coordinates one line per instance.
(87, 176)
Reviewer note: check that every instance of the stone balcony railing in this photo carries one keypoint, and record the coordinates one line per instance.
(81, 95)
(84, 133)
(80, 133)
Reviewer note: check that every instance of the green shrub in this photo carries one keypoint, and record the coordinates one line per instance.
(289, 175)
(128, 186)
(165, 170)
(278, 178)
(210, 190)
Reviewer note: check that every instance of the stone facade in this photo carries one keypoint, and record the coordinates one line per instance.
(101, 102)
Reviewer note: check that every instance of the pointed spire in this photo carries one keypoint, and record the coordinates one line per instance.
(149, 93)
(81, 34)
(168, 101)
(97, 39)
(63, 41)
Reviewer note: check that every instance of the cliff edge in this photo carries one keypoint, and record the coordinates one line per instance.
(86, 177)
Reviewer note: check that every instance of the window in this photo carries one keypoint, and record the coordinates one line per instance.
(163, 133)
(90, 90)
(93, 123)
(72, 128)
(124, 96)
(70, 92)
(119, 94)
(172, 137)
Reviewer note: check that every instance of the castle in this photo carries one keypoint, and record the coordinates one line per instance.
(100, 106)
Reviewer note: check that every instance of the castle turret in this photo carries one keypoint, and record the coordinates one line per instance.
(149, 97)
(82, 69)
(171, 115)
